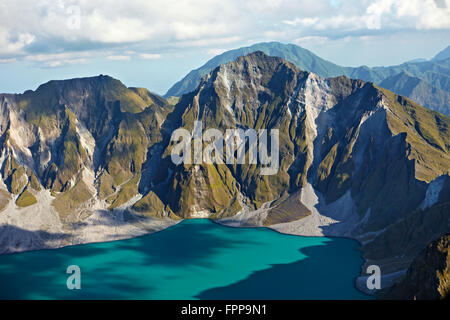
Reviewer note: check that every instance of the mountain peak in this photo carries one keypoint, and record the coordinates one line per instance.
(442, 55)
(257, 54)
(261, 57)
(249, 75)
(89, 92)
(302, 58)
(84, 81)
(263, 61)
(431, 73)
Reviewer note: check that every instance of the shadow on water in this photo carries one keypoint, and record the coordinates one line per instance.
(41, 274)
(188, 243)
(138, 268)
(328, 272)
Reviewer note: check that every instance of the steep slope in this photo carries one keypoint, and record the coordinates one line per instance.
(428, 277)
(93, 139)
(90, 160)
(435, 73)
(302, 58)
(76, 146)
(341, 154)
(418, 90)
(442, 55)
(355, 159)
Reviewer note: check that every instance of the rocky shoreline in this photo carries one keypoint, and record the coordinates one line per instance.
(40, 227)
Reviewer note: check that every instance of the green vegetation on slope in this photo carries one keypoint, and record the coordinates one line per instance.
(427, 134)
(127, 191)
(65, 203)
(4, 199)
(151, 206)
(287, 209)
(26, 199)
(428, 276)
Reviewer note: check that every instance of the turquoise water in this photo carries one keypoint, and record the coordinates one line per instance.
(195, 259)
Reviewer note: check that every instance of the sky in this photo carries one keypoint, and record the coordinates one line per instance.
(154, 43)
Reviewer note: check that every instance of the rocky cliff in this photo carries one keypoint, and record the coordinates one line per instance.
(428, 277)
(90, 160)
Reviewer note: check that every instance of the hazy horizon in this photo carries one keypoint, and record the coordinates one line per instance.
(154, 44)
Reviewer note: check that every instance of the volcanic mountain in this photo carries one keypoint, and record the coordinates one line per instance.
(428, 84)
(89, 160)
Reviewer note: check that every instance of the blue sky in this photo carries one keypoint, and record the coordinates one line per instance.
(154, 43)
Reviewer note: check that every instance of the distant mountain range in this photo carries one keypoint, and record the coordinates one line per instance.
(405, 84)
(443, 55)
(429, 84)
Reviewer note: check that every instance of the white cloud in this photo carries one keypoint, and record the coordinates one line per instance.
(208, 42)
(60, 63)
(13, 45)
(10, 60)
(429, 15)
(310, 40)
(118, 57)
(57, 56)
(115, 30)
(59, 59)
(215, 51)
(263, 5)
(150, 56)
(302, 21)
(140, 26)
(379, 14)
(418, 14)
